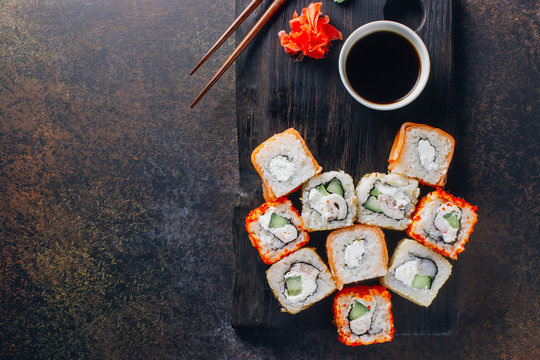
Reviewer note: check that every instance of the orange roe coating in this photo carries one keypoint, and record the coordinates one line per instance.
(311, 33)
(365, 292)
(269, 256)
(417, 233)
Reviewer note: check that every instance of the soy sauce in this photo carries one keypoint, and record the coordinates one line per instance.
(382, 67)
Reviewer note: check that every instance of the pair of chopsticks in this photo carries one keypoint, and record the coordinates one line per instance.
(274, 7)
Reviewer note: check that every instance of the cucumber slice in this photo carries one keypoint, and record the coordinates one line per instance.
(294, 285)
(452, 219)
(277, 221)
(357, 311)
(373, 204)
(335, 187)
(375, 192)
(422, 282)
(322, 190)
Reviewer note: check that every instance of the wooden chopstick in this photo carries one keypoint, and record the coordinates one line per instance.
(239, 20)
(274, 7)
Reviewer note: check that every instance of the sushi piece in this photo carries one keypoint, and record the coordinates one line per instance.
(328, 201)
(387, 201)
(363, 315)
(284, 163)
(443, 222)
(300, 280)
(356, 253)
(276, 230)
(416, 272)
(422, 152)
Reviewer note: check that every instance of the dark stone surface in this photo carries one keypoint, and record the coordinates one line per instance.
(116, 199)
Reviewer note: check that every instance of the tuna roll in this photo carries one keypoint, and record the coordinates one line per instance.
(328, 201)
(416, 272)
(363, 315)
(422, 152)
(356, 253)
(284, 163)
(443, 222)
(300, 280)
(387, 201)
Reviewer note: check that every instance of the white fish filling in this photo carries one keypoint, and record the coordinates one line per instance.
(362, 325)
(331, 207)
(285, 234)
(408, 270)
(354, 253)
(377, 320)
(281, 168)
(441, 225)
(309, 275)
(426, 153)
(393, 201)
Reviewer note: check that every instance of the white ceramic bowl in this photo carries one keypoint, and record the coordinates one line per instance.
(399, 29)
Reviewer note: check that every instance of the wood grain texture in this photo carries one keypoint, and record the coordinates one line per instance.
(275, 92)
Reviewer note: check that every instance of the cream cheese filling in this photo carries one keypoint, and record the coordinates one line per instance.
(426, 153)
(308, 274)
(281, 168)
(285, 234)
(354, 252)
(408, 270)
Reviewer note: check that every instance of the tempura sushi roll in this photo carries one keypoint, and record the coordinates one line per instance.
(443, 222)
(422, 152)
(416, 272)
(356, 253)
(300, 280)
(284, 163)
(387, 201)
(276, 230)
(328, 201)
(363, 315)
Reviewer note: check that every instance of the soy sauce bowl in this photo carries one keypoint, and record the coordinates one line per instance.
(416, 43)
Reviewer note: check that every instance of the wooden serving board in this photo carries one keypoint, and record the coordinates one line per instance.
(274, 92)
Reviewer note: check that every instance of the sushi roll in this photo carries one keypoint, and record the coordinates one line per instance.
(422, 152)
(284, 163)
(276, 230)
(416, 272)
(387, 201)
(300, 280)
(356, 253)
(328, 201)
(363, 315)
(443, 222)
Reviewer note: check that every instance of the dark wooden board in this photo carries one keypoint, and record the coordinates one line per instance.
(274, 93)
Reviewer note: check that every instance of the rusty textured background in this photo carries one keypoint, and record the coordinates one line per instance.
(116, 199)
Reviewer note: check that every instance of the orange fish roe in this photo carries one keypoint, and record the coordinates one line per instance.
(311, 33)
(269, 255)
(344, 301)
(418, 232)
